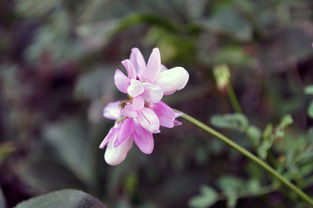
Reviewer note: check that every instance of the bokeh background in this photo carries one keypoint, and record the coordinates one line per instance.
(57, 60)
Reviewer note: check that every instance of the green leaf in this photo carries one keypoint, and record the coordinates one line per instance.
(67, 198)
(254, 134)
(231, 121)
(207, 198)
(285, 122)
(231, 186)
(264, 147)
(230, 183)
(230, 22)
(268, 131)
(70, 139)
(310, 109)
(308, 90)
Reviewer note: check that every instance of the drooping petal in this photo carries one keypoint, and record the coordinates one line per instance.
(112, 110)
(116, 155)
(135, 88)
(125, 131)
(153, 93)
(138, 61)
(149, 120)
(130, 68)
(153, 66)
(110, 136)
(121, 81)
(143, 139)
(165, 114)
(173, 79)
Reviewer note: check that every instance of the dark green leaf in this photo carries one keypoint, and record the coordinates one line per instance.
(70, 139)
(230, 22)
(67, 198)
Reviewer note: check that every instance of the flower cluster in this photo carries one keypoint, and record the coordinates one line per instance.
(137, 119)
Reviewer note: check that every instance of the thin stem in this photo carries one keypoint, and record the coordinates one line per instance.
(233, 98)
(251, 156)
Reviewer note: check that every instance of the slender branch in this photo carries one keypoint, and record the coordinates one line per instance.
(233, 98)
(249, 155)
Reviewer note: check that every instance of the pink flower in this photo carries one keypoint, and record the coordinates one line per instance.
(150, 81)
(137, 119)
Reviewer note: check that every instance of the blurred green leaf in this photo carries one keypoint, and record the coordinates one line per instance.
(67, 198)
(31, 8)
(43, 174)
(285, 122)
(254, 134)
(70, 139)
(5, 150)
(94, 36)
(221, 75)
(131, 183)
(268, 131)
(231, 187)
(253, 186)
(230, 183)
(232, 55)
(229, 21)
(310, 109)
(207, 198)
(308, 90)
(231, 121)
(149, 19)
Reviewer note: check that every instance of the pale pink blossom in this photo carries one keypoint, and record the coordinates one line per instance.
(137, 119)
(138, 128)
(150, 81)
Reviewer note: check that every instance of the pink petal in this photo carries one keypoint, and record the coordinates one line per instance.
(165, 113)
(116, 155)
(149, 120)
(112, 110)
(121, 81)
(110, 136)
(138, 61)
(153, 93)
(125, 131)
(138, 103)
(135, 88)
(153, 66)
(130, 68)
(173, 79)
(128, 111)
(143, 139)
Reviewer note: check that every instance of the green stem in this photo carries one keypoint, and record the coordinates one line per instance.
(249, 155)
(233, 98)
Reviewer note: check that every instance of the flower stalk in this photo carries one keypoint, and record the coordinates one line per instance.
(249, 155)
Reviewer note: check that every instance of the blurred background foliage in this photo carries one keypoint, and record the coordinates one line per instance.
(57, 60)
